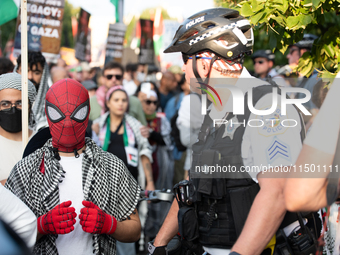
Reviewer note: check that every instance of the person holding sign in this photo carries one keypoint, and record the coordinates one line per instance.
(10, 121)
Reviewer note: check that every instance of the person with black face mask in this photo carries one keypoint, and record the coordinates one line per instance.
(10, 121)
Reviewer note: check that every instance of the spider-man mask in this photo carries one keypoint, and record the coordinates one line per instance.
(67, 110)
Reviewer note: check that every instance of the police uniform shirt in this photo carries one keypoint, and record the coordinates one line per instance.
(275, 143)
(265, 146)
(268, 140)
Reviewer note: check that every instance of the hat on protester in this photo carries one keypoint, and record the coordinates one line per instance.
(175, 69)
(13, 81)
(113, 89)
(89, 84)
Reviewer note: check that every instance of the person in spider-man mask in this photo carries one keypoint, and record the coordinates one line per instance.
(80, 194)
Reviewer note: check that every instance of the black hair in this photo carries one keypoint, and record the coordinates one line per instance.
(51, 65)
(113, 65)
(131, 67)
(34, 57)
(6, 66)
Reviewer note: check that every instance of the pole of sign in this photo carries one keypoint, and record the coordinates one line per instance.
(24, 74)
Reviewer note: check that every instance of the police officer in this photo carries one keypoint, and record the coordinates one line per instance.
(298, 49)
(236, 213)
(264, 61)
(295, 51)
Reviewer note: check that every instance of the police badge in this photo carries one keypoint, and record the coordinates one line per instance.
(231, 127)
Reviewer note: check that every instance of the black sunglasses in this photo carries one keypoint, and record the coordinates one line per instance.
(148, 102)
(117, 76)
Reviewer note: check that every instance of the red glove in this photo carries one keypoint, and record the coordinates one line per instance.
(59, 220)
(95, 221)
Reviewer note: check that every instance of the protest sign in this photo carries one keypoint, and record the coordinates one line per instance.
(44, 25)
(147, 52)
(82, 35)
(114, 45)
(168, 59)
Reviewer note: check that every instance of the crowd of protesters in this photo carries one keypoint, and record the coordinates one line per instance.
(144, 121)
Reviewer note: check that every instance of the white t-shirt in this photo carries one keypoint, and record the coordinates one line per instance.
(10, 153)
(78, 241)
(18, 216)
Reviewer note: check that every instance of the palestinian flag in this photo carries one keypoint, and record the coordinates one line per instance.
(8, 10)
(118, 4)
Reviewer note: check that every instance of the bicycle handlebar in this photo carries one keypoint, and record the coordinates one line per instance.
(157, 195)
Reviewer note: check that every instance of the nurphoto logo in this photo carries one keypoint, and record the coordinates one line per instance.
(238, 99)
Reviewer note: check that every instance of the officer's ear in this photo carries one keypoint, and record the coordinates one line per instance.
(205, 68)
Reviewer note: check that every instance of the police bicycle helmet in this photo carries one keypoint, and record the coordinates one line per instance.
(203, 32)
(268, 54)
(306, 42)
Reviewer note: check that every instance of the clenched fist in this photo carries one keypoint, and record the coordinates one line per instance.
(95, 221)
(59, 220)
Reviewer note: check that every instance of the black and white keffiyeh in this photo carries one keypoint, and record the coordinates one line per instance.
(39, 104)
(106, 182)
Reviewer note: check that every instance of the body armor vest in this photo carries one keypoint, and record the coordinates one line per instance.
(222, 204)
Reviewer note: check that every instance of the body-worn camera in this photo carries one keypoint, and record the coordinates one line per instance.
(182, 193)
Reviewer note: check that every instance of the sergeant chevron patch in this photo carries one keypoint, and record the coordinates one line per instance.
(278, 149)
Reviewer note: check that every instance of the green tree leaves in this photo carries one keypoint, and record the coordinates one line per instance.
(285, 22)
(246, 10)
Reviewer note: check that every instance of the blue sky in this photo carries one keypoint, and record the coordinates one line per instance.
(183, 8)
